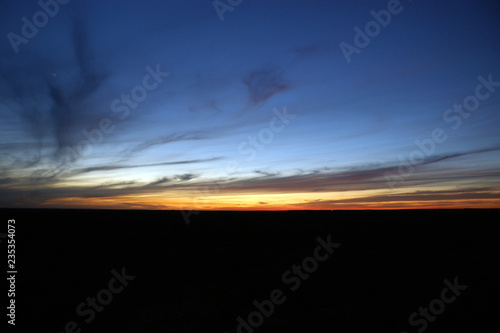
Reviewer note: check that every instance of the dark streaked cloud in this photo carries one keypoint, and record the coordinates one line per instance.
(119, 184)
(185, 177)
(310, 182)
(161, 141)
(227, 81)
(162, 180)
(68, 95)
(417, 196)
(266, 173)
(262, 84)
(124, 166)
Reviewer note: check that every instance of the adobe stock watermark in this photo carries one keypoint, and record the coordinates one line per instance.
(222, 6)
(120, 106)
(455, 115)
(251, 146)
(292, 278)
(437, 306)
(104, 297)
(372, 29)
(29, 28)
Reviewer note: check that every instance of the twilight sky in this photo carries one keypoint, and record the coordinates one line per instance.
(266, 104)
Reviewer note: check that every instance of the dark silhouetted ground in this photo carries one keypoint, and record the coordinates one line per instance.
(201, 277)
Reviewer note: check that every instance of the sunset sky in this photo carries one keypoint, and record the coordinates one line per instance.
(259, 105)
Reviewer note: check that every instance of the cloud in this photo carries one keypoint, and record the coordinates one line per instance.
(417, 198)
(90, 75)
(356, 178)
(161, 141)
(114, 185)
(266, 173)
(68, 98)
(307, 183)
(159, 181)
(264, 83)
(23, 94)
(124, 166)
(53, 108)
(210, 105)
(439, 158)
(4, 181)
(185, 177)
(326, 179)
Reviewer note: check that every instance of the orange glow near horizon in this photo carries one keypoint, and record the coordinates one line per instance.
(243, 203)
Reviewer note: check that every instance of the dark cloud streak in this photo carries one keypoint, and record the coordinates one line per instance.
(121, 166)
(264, 83)
(161, 141)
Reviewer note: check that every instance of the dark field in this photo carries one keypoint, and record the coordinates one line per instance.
(202, 276)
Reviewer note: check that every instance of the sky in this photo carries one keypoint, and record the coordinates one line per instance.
(250, 105)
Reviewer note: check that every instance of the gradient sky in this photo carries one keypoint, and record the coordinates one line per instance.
(258, 110)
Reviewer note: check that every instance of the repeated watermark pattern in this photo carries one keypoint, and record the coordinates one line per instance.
(222, 6)
(251, 146)
(120, 106)
(455, 115)
(293, 279)
(87, 309)
(363, 37)
(30, 28)
(426, 315)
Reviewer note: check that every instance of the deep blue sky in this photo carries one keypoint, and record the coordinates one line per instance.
(353, 122)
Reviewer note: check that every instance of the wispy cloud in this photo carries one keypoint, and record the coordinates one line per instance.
(162, 180)
(357, 121)
(264, 83)
(409, 199)
(161, 141)
(124, 166)
(185, 177)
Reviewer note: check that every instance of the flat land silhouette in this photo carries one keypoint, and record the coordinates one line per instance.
(203, 276)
